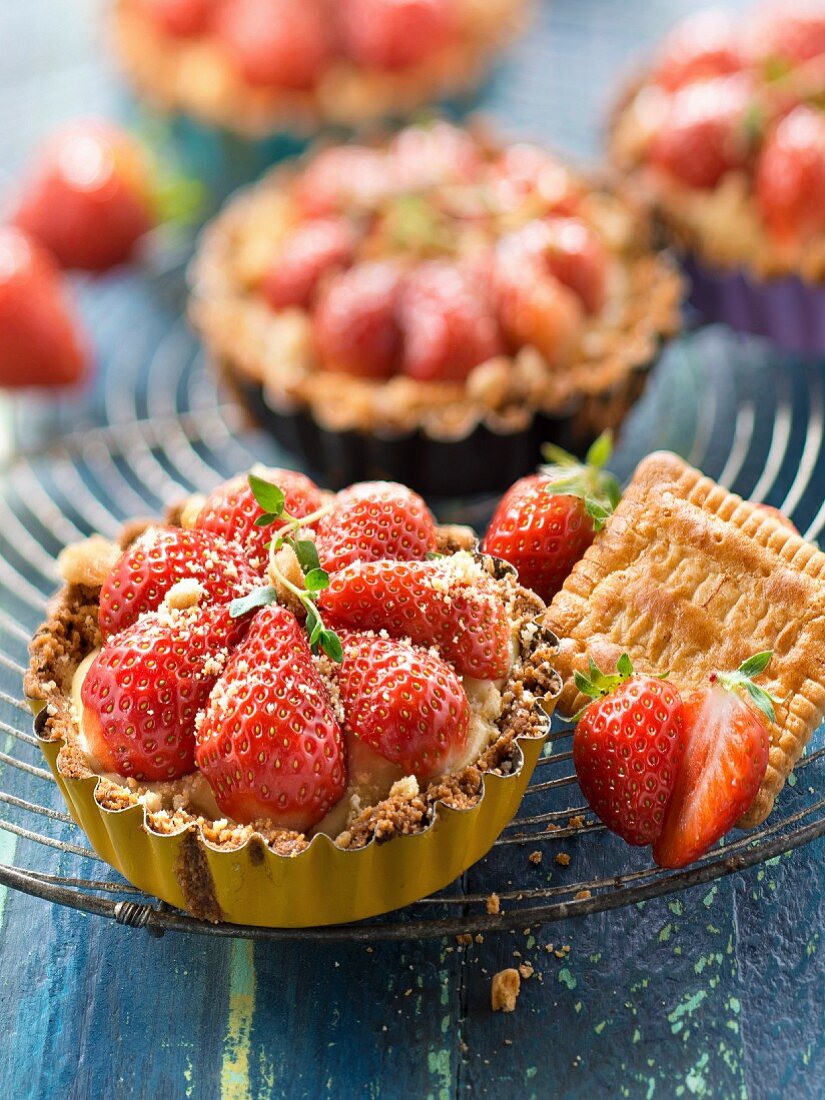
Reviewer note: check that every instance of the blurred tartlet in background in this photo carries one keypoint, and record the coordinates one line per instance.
(435, 306)
(269, 74)
(724, 136)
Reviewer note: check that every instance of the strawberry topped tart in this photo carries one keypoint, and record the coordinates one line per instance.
(275, 668)
(725, 137)
(435, 305)
(255, 67)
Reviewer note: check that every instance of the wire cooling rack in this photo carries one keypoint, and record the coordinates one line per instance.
(159, 429)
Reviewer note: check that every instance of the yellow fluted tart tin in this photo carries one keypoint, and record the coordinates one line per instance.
(321, 885)
(189, 863)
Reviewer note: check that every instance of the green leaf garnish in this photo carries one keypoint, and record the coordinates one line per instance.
(316, 580)
(258, 597)
(269, 496)
(742, 679)
(331, 645)
(589, 481)
(307, 554)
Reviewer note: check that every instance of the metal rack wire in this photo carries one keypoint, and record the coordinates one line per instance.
(159, 429)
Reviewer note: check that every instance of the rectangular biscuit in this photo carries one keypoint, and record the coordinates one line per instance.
(688, 578)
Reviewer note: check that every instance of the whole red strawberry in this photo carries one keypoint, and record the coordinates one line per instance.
(268, 743)
(88, 197)
(405, 703)
(522, 170)
(433, 154)
(146, 685)
(311, 252)
(447, 325)
(41, 342)
(372, 520)
(231, 510)
(726, 757)
(394, 34)
(545, 522)
(627, 748)
(448, 603)
(355, 326)
(790, 177)
(180, 18)
(784, 34)
(160, 558)
(275, 43)
(701, 47)
(706, 133)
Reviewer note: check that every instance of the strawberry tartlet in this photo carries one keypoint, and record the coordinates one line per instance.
(241, 702)
(725, 137)
(257, 67)
(433, 307)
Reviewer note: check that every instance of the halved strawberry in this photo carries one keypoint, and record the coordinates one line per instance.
(312, 251)
(405, 703)
(372, 520)
(394, 34)
(627, 748)
(144, 688)
(161, 557)
(88, 197)
(448, 327)
(545, 522)
(231, 510)
(724, 764)
(355, 325)
(790, 176)
(42, 343)
(275, 43)
(706, 132)
(448, 603)
(268, 743)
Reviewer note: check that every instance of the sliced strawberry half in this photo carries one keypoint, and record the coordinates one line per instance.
(146, 685)
(268, 743)
(724, 764)
(372, 520)
(405, 703)
(431, 604)
(161, 557)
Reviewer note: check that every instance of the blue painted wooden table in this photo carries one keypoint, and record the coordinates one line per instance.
(716, 992)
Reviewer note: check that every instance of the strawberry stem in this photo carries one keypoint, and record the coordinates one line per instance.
(589, 481)
(742, 680)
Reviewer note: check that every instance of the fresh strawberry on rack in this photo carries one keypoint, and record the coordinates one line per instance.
(161, 557)
(545, 522)
(429, 602)
(394, 34)
(89, 197)
(790, 177)
(268, 744)
(275, 43)
(232, 511)
(726, 757)
(145, 686)
(372, 520)
(627, 748)
(405, 703)
(42, 343)
(310, 253)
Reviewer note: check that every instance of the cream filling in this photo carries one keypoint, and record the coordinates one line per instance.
(371, 777)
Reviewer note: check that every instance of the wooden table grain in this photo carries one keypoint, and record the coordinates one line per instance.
(716, 992)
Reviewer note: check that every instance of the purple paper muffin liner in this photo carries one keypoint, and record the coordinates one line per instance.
(788, 311)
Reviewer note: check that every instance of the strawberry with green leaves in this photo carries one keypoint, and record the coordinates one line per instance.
(627, 748)
(726, 757)
(545, 522)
